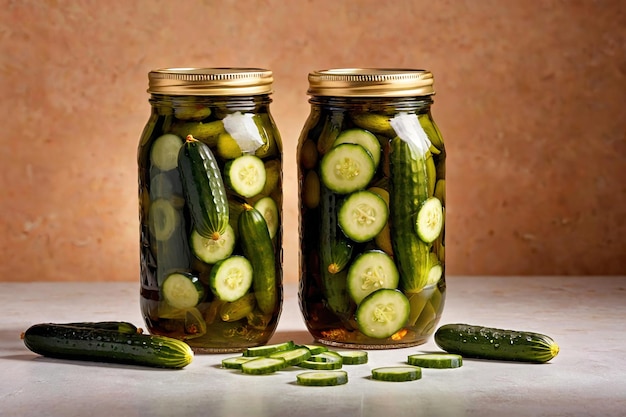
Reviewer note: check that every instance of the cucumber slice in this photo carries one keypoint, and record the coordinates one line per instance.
(436, 360)
(182, 290)
(429, 220)
(262, 366)
(322, 379)
(382, 313)
(269, 210)
(236, 362)
(370, 272)
(269, 349)
(361, 137)
(353, 357)
(346, 168)
(164, 152)
(231, 278)
(246, 175)
(363, 215)
(163, 219)
(316, 349)
(293, 356)
(324, 361)
(397, 373)
(210, 250)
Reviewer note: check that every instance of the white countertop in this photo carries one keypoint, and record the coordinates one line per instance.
(584, 315)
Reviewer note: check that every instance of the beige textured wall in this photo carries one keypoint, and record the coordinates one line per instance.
(531, 99)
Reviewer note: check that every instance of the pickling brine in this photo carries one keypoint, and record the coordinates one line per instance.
(371, 166)
(210, 199)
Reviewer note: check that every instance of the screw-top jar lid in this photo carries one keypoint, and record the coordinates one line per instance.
(210, 81)
(371, 82)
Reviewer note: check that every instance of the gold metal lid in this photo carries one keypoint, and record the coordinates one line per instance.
(371, 82)
(210, 81)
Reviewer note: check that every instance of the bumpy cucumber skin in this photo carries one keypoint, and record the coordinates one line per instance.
(117, 326)
(92, 344)
(258, 248)
(498, 344)
(409, 185)
(204, 188)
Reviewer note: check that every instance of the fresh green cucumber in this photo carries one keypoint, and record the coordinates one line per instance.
(363, 215)
(231, 278)
(435, 360)
(292, 356)
(263, 366)
(361, 137)
(397, 373)
(409, 191)
(324, 361)
(267, 350)
(322, 378)
(116, 326)
(204, 189)
(347, 168)
(333, 249)
(245, 175)
(182, 290)
(211, 250)
(429, 220)
(371, 271)
(382, 313)
(91, 344)
(490, 343)
(164, 151)
(269, 209)
(258, 248)
(353, 357)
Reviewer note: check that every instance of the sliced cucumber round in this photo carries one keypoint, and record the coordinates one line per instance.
(436, 360)
(353, 357)
(363, 215)
(370, 272)
(267, 350)
(361, 137)
(182, 290)
(231, 278)
(429, 220)
(235, 362)
(163, 219)
(269, 210)
(382, 313)
(397, 373)
(211, 250)
(246, 175)
(324, 361)
(293, 356)
(164, 152)
(322, 378)
(262, 366)
(346, 168)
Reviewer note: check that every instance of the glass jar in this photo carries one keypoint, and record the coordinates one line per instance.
(210, 207)
(371, 169)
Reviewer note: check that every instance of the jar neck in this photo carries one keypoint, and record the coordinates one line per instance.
(233, 103)
(419, 104)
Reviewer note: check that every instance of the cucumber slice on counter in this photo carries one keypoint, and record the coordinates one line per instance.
(429, 220)
(353, 357)
(322, 378)
(363, 215)
(182, 290)
(292, 356)
(346, 168)
(246, 175)
(231, 278)
(211, 250)
(316, 349)
(435, 360)
(164, 152)
(236, 362)
(370, 272)
(324, 361)
(361, 137)
(269, 210)
(383, 313)
(267, 350)
(397, 373)
(262, 366)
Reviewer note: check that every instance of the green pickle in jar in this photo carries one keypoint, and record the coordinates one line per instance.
(371, 164)
(210, 208)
